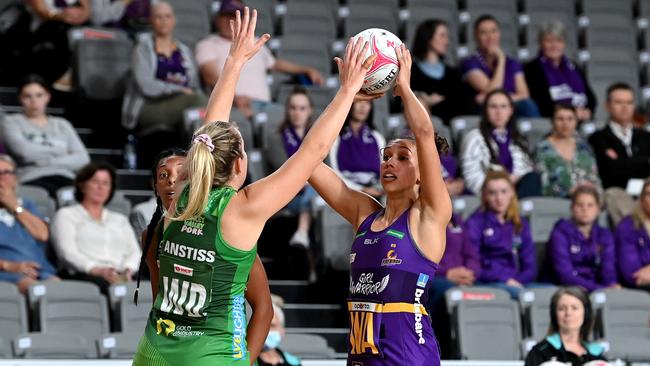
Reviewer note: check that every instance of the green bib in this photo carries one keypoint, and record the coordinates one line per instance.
(199, 315)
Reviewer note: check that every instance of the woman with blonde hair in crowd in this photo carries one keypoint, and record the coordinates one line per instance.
(633, 244)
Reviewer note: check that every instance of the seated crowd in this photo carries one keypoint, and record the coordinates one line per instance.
(492, 247)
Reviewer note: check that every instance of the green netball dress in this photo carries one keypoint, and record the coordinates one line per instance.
(199, 315)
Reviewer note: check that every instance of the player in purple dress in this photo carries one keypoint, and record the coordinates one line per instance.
(396, 248)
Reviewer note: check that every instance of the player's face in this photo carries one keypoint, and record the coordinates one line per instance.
(498, 195)
(34, 99)
(97, 189)
(299, 110)
(399, 167)
(361, 110)
(585, 210)
(570, 313)
(498, 110)
(564, 123)
(440, 41)
(644, 200)
(488, 35)
(166, 175)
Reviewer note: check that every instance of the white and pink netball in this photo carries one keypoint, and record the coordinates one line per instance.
(383, 73)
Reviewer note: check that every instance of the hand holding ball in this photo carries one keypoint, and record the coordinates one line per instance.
(383, 72)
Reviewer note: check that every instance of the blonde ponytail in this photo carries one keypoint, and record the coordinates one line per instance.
(209, 164)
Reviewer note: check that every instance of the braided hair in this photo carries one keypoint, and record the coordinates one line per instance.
(158, 213)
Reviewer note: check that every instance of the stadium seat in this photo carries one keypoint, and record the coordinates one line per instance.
(72, 307)
(336, 235)
(535, 304)
(489, 330)
(364, 15)
(623, 315)
(273, 146)
(13, 316)
(101, 68)
(534, 130)
(40, 197)
(127, 317)
(460, 125)
(192, 21)
(118, 345)
(465, 205)
(316, 20)
(120, 204)
(542, 214)
(68, 345)
(307, 346)
(607, 7)
(256, 165)
(308, 51)
(265, 15)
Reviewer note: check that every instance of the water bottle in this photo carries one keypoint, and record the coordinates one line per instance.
(130, 155)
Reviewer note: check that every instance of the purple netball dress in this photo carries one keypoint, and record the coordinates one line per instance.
(389, 279)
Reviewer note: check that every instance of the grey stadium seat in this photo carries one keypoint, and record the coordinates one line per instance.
(314, 19)
(465, 205)
(119, 203)
(128, 316)
(535, 304)
(364, 16)
(489, 330)
(256, 165)
(460, 125)
(624, 315)
(118, 345)
(101, 67)
(40, 197)
(13, 316)
(272, 146)
(534, 130)
(307, 51)
(607, 7)
(307, 346)
(69, 345)
(336, 235)
(73, 307)
(542, 213)
(192, 21)
(265, 15)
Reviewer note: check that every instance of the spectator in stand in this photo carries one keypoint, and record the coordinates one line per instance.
(129, 15)
(564, 159)
(502, 236)
(165, 84)
(23, 234)
(497, 142)
(580, 252)
(51, 21)
(355, 155)
(47, 149)
(93, 243)
(556, 79)
(298, 118)
(633, 244)
(460, 266)
(622, 151)
(490, 69)
(451, 174)
(434, 81)
(252, 91)
(569, 332)
(272, 355)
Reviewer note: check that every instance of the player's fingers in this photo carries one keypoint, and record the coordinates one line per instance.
(245, 21)
(231, 23)
(253, 23)
(367, 64)
(361, 56)
(237, 23)
(348, 51)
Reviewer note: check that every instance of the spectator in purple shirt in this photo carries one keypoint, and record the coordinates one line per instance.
(299, 110)
(502, 236)
(355, 154)
(489, 68)
(580, 252)
(451, 174)
(633, 244)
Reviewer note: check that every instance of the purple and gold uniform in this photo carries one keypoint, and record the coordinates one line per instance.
(389, 278)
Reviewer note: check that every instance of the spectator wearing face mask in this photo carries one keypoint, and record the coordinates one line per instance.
(272, 355)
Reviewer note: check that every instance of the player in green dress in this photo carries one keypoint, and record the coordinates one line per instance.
(209, 240)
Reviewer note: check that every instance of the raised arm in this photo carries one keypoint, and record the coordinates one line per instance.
(243, 47)
(258, 296)
(265, 197)
(434, 198)
(353, 205)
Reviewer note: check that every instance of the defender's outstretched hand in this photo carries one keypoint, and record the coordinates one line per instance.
(244, 46)
(354, 66)
(403, 82)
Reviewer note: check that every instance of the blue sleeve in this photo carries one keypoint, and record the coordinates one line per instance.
(527, 260)
(31, 207)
